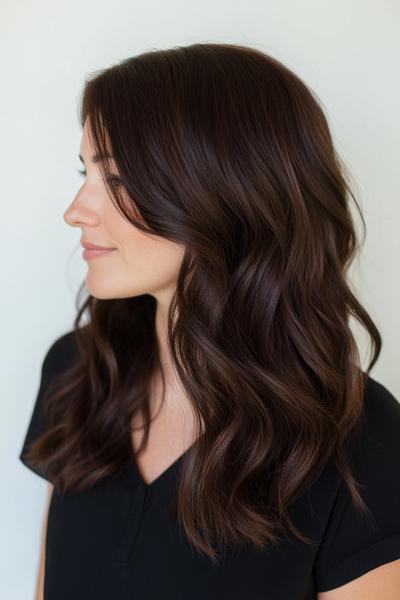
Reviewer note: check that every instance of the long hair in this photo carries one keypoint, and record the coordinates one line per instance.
(223, 149)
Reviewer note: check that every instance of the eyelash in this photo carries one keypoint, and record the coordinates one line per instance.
(113, 179)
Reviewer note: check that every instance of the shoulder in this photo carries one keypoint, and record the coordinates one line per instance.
(355, 542)
(375, 440)
(381, 406)
(59, 357)
(61, 354)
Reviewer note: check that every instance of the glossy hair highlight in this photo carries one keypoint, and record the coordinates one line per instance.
(223, 149)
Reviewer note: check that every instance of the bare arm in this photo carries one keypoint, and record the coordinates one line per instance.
(40, 577)
(381, 583)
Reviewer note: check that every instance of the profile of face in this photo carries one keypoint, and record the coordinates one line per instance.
(140, 263)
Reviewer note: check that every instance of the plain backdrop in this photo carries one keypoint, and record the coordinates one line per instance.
(347, 51)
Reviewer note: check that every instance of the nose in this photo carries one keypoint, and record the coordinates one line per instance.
(69, 217)
(77, 214)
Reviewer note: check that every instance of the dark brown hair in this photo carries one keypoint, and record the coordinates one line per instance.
(223, 149)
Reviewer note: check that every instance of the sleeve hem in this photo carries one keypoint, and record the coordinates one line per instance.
(32, 468)
(367, 559)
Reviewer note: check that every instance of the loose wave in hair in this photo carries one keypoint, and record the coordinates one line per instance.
(224, 150)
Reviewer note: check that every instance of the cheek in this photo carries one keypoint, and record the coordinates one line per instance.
(155, 262)
(142, 264)
(145, 268)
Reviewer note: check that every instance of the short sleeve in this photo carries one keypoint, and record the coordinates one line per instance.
(355, 543)
(57, 358)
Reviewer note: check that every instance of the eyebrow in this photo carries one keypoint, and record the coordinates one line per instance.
(97, 157)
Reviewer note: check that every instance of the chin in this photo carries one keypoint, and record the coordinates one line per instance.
(103, 288)
(100, 287)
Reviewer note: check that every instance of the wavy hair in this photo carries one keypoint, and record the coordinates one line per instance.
(223, 149)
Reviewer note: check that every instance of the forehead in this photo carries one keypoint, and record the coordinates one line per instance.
(87, 150)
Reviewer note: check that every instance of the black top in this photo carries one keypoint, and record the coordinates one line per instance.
(118, 539)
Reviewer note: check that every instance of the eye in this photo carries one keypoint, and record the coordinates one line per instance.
(114, 179)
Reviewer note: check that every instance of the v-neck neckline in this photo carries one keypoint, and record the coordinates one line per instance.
(162, 476)
(167, 473)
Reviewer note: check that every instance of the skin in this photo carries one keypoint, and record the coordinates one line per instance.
(39, 591)
(382, 583)
(144, 264)
(141, 264)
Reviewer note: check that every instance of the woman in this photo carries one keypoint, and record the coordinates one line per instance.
(206, 428)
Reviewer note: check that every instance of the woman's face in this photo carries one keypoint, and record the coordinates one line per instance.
(141, 263)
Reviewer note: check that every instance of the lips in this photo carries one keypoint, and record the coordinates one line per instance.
(90, 246)
(90, 253)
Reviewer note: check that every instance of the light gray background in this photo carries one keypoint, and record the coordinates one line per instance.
(348, 51)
